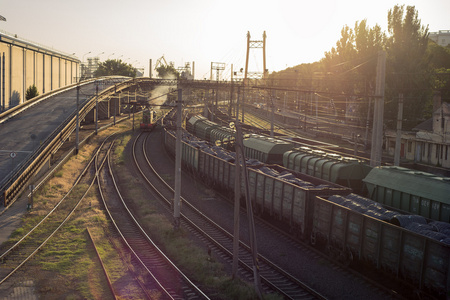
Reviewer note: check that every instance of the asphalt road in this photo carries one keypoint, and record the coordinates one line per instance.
(22, 135)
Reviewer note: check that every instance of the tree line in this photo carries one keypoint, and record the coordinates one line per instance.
(416, 67)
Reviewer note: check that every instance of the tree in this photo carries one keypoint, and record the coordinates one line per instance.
(407, 67)
(31, 92)
(415, 67)
(167, 71)
(115, 67)
(440, 62)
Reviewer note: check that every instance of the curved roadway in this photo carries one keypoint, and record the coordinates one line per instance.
(22, 134)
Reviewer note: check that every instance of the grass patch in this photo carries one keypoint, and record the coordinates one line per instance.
(177, 245)
(119, 148)
(58, 174)
(68, 268)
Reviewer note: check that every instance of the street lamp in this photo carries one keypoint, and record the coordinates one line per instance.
(110, 55)
(83, 66)
(85, 55)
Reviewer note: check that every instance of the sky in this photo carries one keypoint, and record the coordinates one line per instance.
(202, 31)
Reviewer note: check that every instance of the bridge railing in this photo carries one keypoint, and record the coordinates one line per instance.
(16, 182)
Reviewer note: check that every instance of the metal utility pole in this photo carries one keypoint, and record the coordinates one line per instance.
(251, 222)
(243, 102)
(150, 68)
(237, 103)
(272, 114)
(398, 138)
(2, 106)
(129, 105)
(177, 195)
(367, 124)
(133, 115)
(77, 120)
(218, 67)
(115, 103)
(255, 44)
(237, 196)
(377, 130)
(115, 108)
(96, 107)
(246, 57)
(231, 92)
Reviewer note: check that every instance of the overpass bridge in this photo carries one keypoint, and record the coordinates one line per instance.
(32, 132)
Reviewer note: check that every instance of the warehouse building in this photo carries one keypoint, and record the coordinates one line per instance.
(24, 64)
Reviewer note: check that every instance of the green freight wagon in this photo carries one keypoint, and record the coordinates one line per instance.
(417, 192)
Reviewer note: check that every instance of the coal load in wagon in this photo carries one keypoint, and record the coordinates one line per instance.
(289, 177)
(405, 220)
(223, 154)
(442, 227)
(364, 205)
(269, 171)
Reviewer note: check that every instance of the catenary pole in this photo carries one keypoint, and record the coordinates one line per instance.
(237, 196)
(377, 130)
(177, 195)
(77, 120)
(398, 138)
(96, 107)
(251, 221)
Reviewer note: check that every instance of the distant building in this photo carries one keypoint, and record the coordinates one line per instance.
(24, 63)
(88, 68)
(429, 142)
(442, 37)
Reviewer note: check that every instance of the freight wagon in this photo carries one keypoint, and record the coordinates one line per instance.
(400, 188)
(421, 193)
(341, 224)
(265, 149)
(275, 192)
(332, 167)
(420, 261)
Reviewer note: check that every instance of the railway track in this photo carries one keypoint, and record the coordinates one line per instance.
(273, 278)
(262, 125)
(155, 273)
(14, 256)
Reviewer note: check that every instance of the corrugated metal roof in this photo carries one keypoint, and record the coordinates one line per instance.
(425, 185)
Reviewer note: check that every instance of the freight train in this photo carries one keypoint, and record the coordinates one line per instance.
(415, 192)
(350, 227)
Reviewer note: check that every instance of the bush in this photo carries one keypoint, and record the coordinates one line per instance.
(31, 92)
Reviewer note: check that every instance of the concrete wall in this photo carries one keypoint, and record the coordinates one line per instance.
(23, 64)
